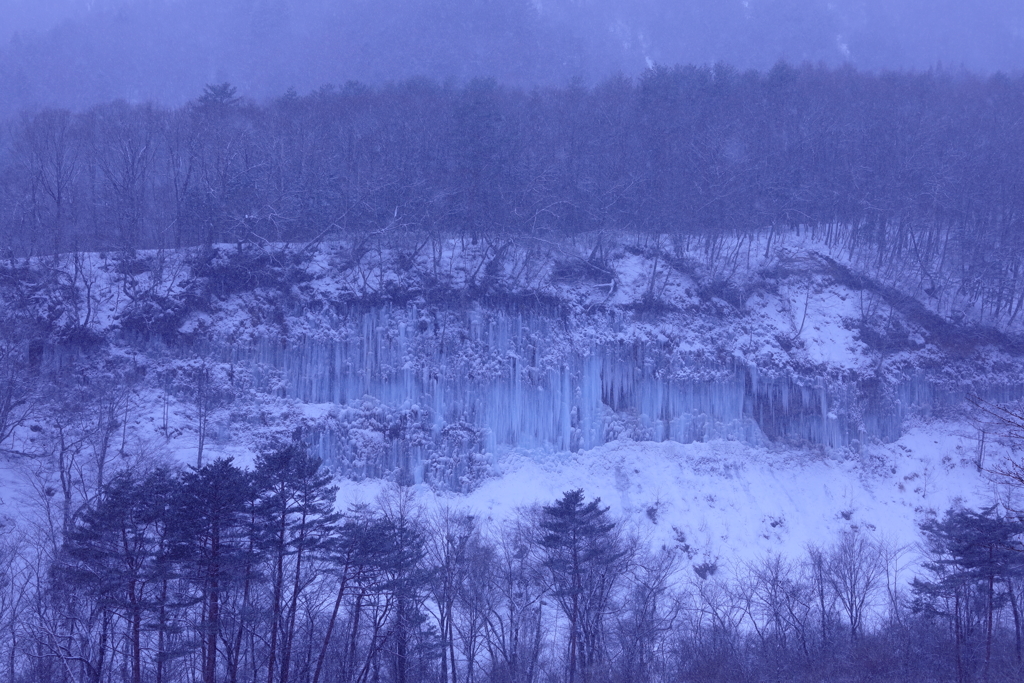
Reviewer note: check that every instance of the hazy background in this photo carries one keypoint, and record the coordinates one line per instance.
(73, 53)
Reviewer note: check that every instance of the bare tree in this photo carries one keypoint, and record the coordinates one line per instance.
(854, 569)
(123, 151)
(648, 613)
(47, 144)
(449, 538)
(514, 622)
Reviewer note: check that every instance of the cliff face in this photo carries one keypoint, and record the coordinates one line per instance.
(475, 349)
(427, 360)
(551, 346)
(757, 402)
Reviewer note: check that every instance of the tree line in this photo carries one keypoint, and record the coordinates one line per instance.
(220, 573)
(914, 171)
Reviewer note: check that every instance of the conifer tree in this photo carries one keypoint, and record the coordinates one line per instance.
(971, 553)
(584, 557)
(296, 511)
(211, 543)
(112, 554)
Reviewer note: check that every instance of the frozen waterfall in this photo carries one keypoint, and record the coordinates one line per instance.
(534, 381)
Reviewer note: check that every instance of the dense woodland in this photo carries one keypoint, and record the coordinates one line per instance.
(123, 567)
(222, 574)
(921, 171)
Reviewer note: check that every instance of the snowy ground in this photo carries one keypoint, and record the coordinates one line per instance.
(724, 502)
(728, 501)
(731, 503)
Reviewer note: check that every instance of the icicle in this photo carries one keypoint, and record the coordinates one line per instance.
(517, 379)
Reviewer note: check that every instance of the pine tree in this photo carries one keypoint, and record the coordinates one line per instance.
(971, 552)
(211, 543)
(296, 510)
(113, 553)
(584, 557)
(403, 576)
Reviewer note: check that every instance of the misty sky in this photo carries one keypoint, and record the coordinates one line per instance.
(75, 53)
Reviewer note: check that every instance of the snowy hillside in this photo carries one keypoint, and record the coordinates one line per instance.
(766, 460)
(749, 403)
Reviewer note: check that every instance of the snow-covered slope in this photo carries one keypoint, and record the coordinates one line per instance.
(729, 503)
(733, 404)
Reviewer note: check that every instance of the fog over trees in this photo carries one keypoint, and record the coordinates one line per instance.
(127, 565)
(77, 54)
(257, 252)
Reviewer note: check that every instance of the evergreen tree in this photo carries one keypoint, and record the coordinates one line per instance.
(972, 552)
(296, 511)
(114, 554)
(211, 543)
(403, 580)
(584, 557)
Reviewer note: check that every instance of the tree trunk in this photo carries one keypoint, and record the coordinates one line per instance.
(1016, 621)
(213, 617)
(330, 627)
(136, 632)
(246, 588)
(289, 630)
(161, 647)
(350, 656)
(276, 606)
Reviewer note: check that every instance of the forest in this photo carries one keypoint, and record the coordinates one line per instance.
(158, 283)
(220, 573)
(917, 169)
